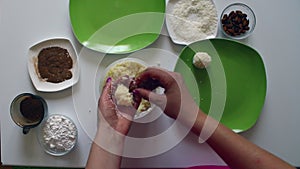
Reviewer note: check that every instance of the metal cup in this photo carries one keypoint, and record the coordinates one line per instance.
(19, 116)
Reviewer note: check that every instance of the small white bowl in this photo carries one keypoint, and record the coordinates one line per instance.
(250, 16)
(57, 144)
(38, 82)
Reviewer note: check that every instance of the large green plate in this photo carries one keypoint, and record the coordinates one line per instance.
(116, 26)
(233, 87)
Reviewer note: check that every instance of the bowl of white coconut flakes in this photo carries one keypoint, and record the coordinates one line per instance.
(189, 21)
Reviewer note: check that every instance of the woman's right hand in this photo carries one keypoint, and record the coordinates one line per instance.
(235, 150)
(176, 97)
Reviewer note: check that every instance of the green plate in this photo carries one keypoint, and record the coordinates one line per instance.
(233, 88)
(116, 26)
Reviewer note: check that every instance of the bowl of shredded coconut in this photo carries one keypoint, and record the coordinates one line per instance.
(189, 21)
(57, 135)
(126, 69)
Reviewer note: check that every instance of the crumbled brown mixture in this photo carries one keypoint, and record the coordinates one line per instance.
(54, 64)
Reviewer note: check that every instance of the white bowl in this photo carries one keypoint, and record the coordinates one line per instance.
(39, 83)
(52, 146)
(250, 16)
(140, 114)
(180, 27)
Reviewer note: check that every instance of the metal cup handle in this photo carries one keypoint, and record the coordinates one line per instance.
(26, 129)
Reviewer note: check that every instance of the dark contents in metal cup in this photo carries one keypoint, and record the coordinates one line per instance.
(32, 109)
(236, 23)
(54, 64)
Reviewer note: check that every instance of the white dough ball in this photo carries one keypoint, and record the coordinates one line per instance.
(201, 60)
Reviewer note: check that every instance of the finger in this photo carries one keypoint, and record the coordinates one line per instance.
(164, 77)
(158, 99)
(107, 88)
(105, 101)
(126, 111)
(136, 100)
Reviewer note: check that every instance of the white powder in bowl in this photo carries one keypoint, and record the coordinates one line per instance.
(58, 134)
(191, 20)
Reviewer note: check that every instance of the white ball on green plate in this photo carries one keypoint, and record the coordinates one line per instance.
(201, 60)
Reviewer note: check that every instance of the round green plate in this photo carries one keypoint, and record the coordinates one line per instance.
(116, 26)
(232, 88)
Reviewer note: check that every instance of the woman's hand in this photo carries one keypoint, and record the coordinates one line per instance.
(176, 97)
(114, 124)
(117, 117)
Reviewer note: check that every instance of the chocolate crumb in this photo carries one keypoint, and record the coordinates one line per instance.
(54, 64)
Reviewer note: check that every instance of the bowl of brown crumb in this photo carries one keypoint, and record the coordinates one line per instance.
(53, 65)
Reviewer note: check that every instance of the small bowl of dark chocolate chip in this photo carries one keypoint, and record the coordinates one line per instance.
(237, 21)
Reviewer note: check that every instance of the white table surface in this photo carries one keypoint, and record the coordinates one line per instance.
(276, 38)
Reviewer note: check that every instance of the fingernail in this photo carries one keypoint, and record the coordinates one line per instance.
(108, 79)
(135, 92)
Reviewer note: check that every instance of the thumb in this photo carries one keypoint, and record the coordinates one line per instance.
(105, 102)
(158, 99)
(106, 91)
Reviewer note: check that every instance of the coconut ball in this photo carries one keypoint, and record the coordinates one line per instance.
(123, 97)
(201, 60)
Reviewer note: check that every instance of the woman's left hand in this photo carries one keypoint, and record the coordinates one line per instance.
(117, 117)
(113, 126)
